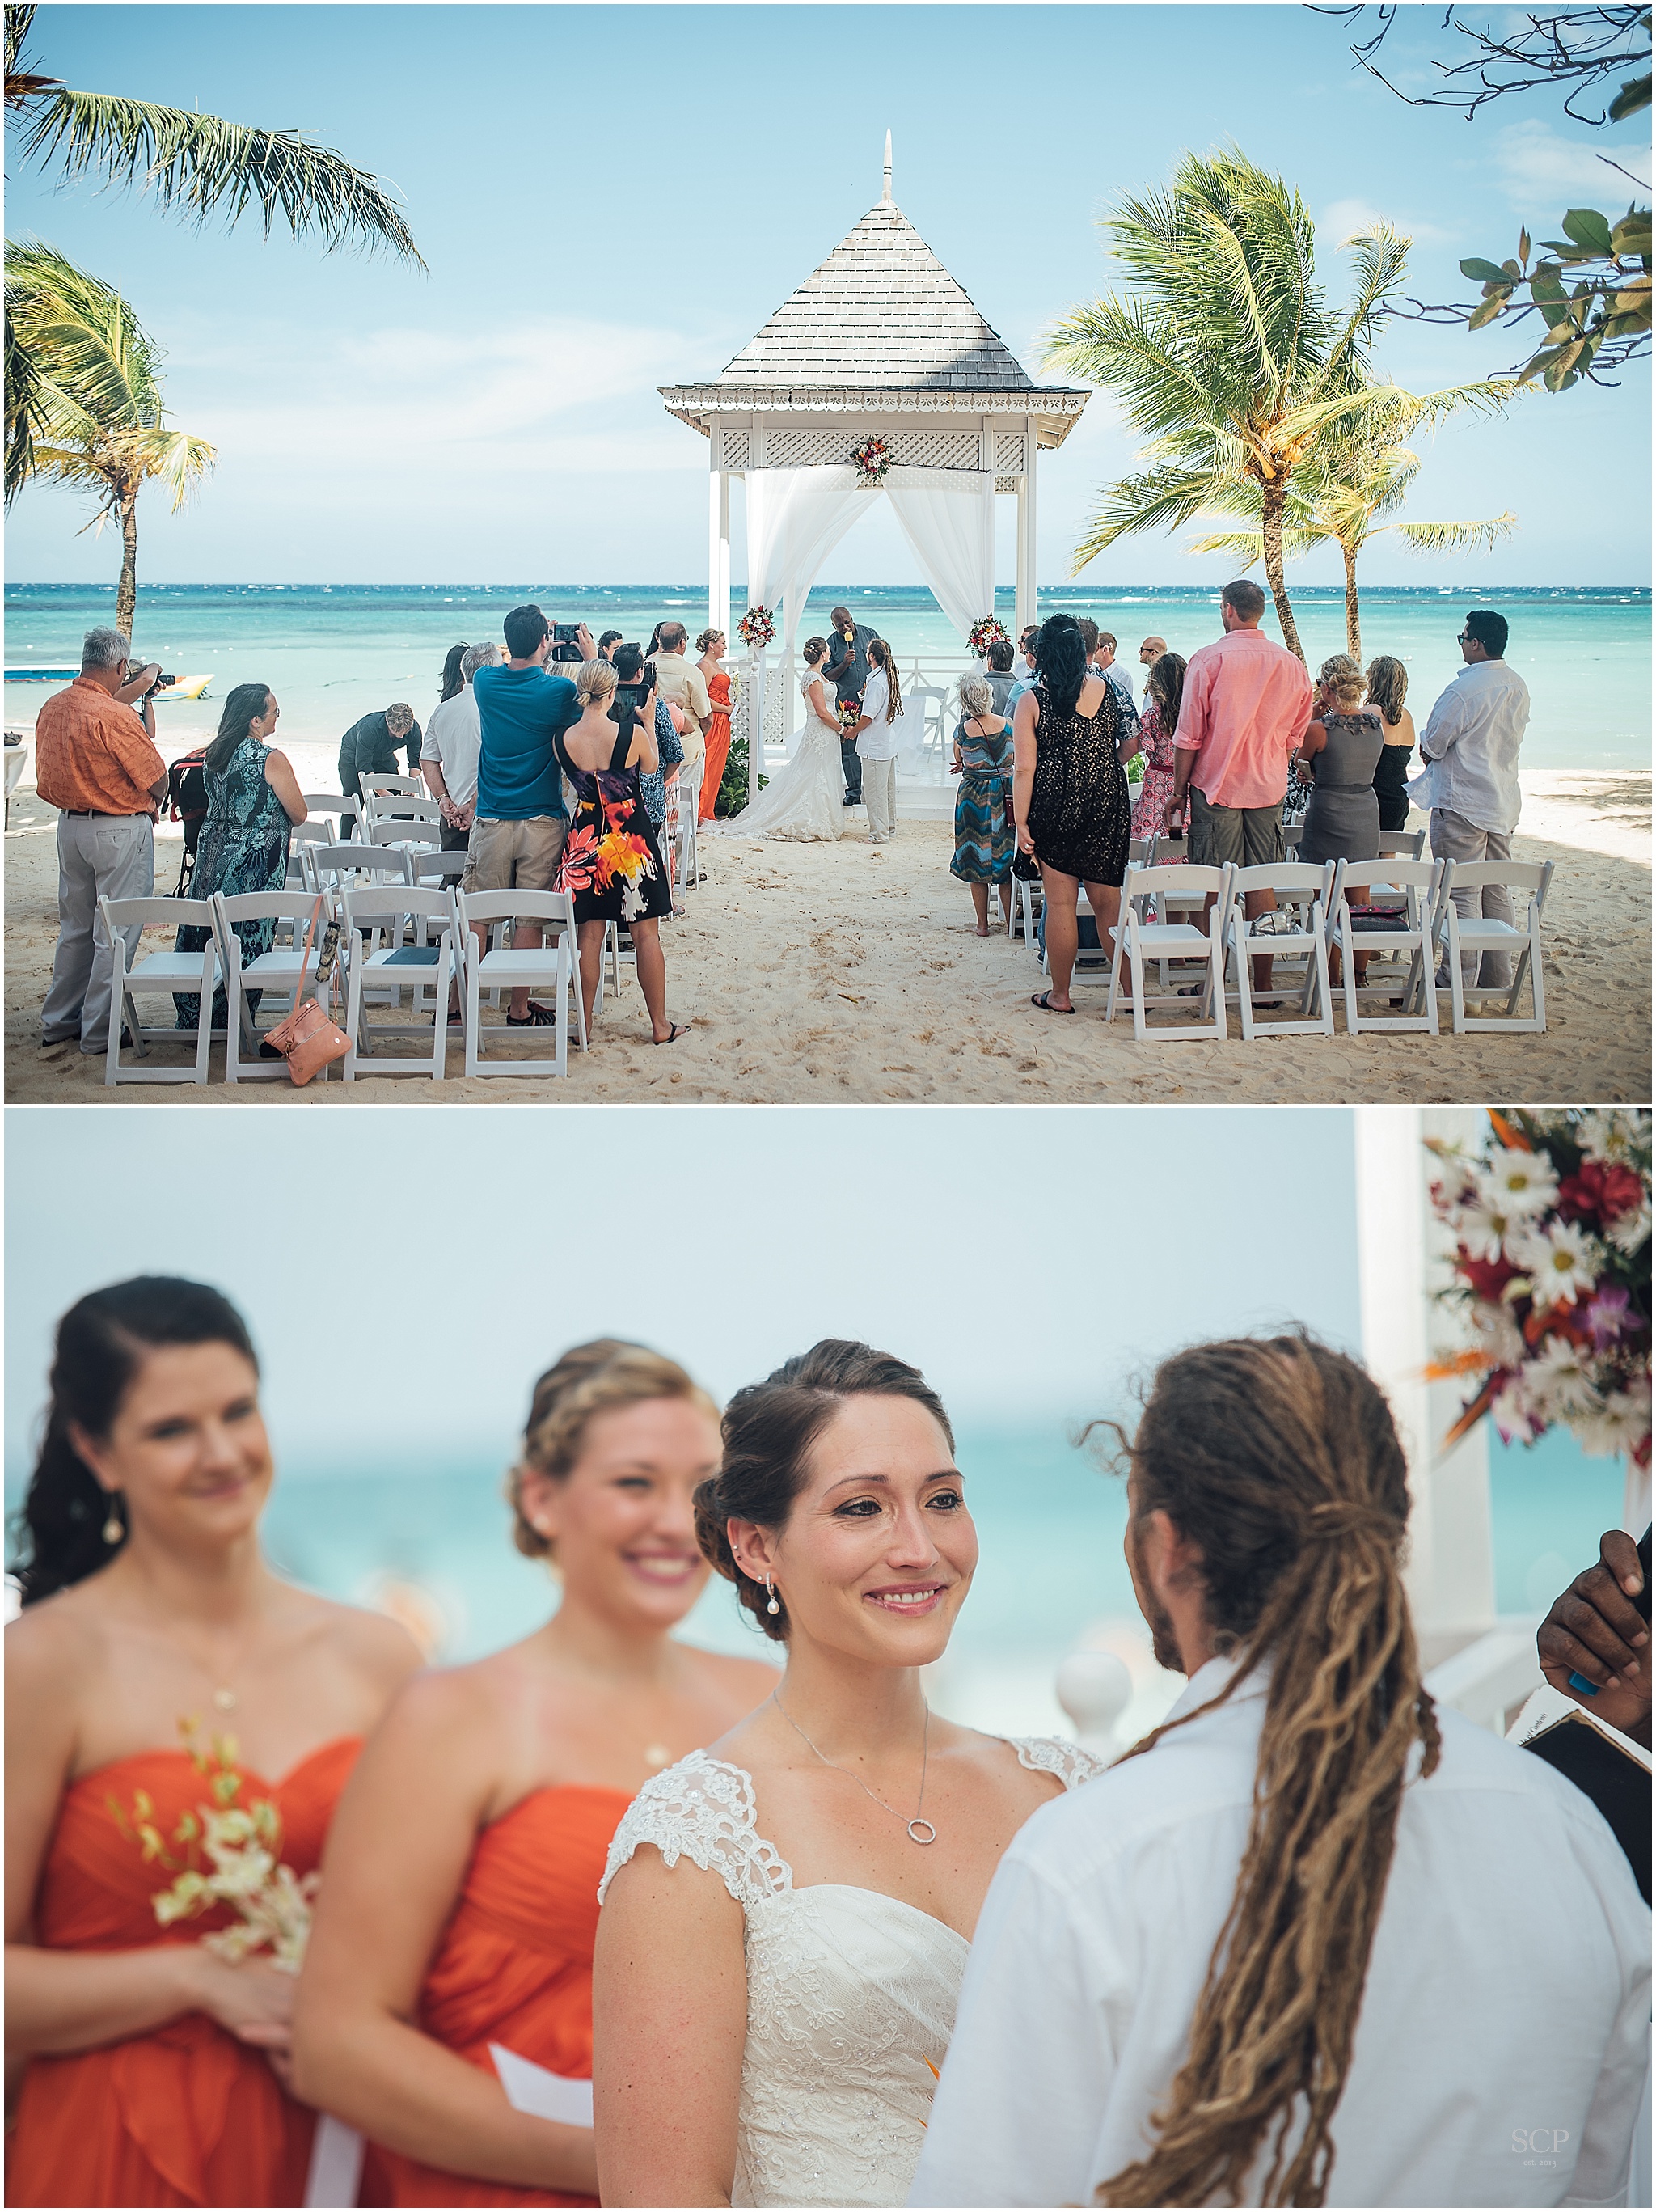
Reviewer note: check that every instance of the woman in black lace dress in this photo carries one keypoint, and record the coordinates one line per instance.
(1070, 797)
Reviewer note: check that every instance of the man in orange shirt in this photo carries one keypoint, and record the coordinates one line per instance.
(96, 761)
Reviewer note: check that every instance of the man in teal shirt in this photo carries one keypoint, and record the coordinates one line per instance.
(519, 829)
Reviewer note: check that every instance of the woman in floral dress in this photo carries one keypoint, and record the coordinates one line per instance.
(252, 801)
(985, 839)
(1163, 691)
(611, 859)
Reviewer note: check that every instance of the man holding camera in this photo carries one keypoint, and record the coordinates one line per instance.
(96, 762)
(519, 824)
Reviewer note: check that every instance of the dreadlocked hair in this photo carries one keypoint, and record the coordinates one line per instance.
(1280, 1455)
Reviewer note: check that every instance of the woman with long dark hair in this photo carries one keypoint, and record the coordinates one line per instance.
(154, 2067)
(1158, 724)
(1070, 797)
(878, 741)
(454, 682)
(443, 1939)
(253, 799)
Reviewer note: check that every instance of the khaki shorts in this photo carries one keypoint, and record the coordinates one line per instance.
(515, 856)
(1244, 836)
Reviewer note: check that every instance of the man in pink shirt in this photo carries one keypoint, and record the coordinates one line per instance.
(1246, 706)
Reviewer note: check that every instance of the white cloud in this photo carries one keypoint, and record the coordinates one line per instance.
(1537, 167)
(1344, 218)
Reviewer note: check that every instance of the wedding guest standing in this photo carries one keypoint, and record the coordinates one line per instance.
(253, 799)
(1069, 796)
(985, 839)
(155, 2071)
(1388, 687)
(711, 645)
(451, 747)
(1470, 747)
(680, 683)
(460, 1893)
(1339, 756)
(778, 1954)
(1221, 1973)
(1164, 691)
(1000, 678)
(876, 742)
(369, 746)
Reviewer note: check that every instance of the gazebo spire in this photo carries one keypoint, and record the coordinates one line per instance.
(886, 194)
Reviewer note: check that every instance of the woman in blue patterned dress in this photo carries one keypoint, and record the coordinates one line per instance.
(253, 799)
(985, 839)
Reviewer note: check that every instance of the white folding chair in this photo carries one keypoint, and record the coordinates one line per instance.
(1410, 930)
(1476, 935)
(1143, 939)
(410, 787)
(274, 973)
(510, 968)
(686, 789)
(390, 805)
(301, 835)
(167, 971)
(931, 703)
(1309, 891)
(432, 864)
(395, 829)
(1401, 844)
(1028, 904)
(426, 964)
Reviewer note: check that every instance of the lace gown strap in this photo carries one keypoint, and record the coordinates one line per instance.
(1050, 1754)
(703, 1809)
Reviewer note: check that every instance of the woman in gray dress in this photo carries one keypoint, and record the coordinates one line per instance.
(1337, 756)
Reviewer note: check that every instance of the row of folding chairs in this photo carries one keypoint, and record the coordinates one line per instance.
(398, 940)
(1398, 916)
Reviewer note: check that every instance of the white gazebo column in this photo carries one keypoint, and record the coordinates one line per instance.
(718, 551)
(1025, 600)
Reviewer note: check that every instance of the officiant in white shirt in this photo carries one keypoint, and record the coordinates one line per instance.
(1435, 1983)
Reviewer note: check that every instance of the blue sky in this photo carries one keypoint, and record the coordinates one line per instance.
(611, 199)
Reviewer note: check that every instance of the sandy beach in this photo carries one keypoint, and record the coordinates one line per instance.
(850, 974)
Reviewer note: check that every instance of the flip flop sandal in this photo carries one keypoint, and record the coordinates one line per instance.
(1044, 1000)
(678, 1029)
(538, 1018)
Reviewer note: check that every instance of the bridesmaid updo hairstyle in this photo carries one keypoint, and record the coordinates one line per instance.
(588, 1380)
(814, 649)
(1344, 681)
(595, 679)
(101, 1343)
(769, 1429)
(709, 639)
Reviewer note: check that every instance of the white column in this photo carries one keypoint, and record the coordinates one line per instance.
(1401, 1248)
(1026, 575)
(756, 726)
(718, 551)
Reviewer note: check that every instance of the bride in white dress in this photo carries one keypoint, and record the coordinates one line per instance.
(776, 1974)
(805, 800)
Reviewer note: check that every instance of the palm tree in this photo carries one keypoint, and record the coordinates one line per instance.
(1226, 353)
(197, 164)
(97, 421)
(1340, 497)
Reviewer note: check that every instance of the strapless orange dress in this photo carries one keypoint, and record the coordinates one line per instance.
(185, 2115)
(718, 741)
(514, 1967)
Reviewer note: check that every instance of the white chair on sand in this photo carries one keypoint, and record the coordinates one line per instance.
(428, 964)
(510, 968)
(1308, 892)
(1143, 939)
(425, 832)
(430, 864)
(1408, 898)
(410, 787)
(166, 971)
(1401, 844)
(274, 974)
(1473, 935)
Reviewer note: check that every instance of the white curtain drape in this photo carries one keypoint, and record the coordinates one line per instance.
(948, 516)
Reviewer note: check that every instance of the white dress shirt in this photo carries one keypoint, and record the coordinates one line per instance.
(1469, 746)
(1502, 2051)
(879, 740)
(453, 739)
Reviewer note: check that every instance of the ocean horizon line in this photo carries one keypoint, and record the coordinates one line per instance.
(1335, 591)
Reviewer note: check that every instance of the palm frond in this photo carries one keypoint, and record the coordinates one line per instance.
(1455, 537)
(1159, 499)
(202, 166)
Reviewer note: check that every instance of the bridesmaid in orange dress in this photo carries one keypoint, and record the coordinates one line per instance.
(711, 645)
(153, 2071)
(459, 1906)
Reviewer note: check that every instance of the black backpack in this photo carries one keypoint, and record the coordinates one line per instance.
(186, 802)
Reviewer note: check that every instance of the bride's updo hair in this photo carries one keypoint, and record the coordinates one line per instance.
(596, 679)
(769, 1429)
(588, 1380)
(814, 649)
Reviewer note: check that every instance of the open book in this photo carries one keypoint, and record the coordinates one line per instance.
(1603, 1765)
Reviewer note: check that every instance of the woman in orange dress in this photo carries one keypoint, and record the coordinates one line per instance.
(460, 1904)
(711, 645)
(153, 2071)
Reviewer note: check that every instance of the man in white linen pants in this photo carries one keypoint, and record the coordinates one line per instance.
(876, 748)
(1456, 1961)
(1470, 747)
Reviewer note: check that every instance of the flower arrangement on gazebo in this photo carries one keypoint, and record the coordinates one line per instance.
(872, 460)
(1551, 1221)
(984, 633)
(756, 627)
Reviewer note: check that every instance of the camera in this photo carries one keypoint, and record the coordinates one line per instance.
(564, 647)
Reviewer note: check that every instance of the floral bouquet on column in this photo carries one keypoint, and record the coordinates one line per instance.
(756, 627)
(1551, 1220)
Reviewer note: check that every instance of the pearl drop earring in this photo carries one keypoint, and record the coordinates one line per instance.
(114, 1528)
(773, 1606)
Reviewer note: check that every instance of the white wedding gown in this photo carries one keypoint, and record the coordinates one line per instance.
(850, 1992)
(805, 802)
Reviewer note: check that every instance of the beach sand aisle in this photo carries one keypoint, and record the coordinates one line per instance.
(850, 974)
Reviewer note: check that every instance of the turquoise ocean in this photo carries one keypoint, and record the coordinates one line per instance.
(332, 652)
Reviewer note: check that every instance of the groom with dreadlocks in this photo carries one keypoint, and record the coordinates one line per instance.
(1312, 1942)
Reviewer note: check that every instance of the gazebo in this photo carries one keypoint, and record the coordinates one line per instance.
(880, 343)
